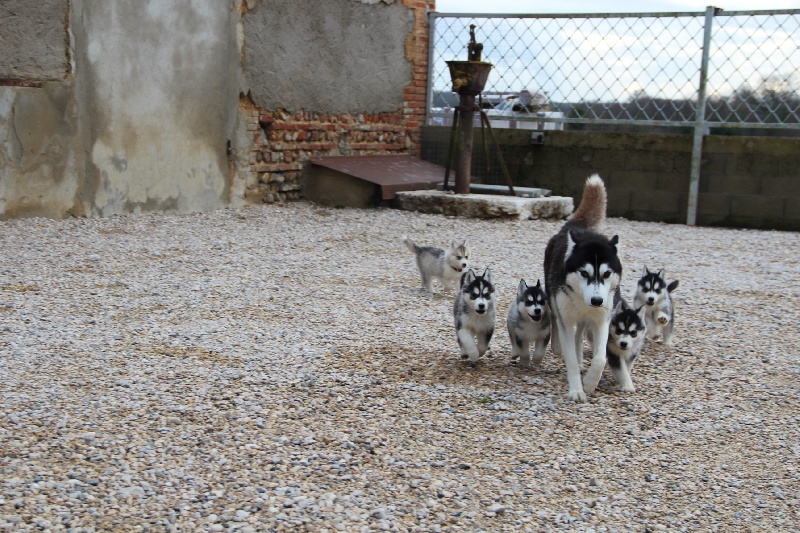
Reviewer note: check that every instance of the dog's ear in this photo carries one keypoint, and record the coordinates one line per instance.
(571, 243)
(613, 241)
(618, 307)
(672, 286)
(487, 275)
(663, 274)
(521, 288)
(640, 312)
(453, 244)
(467, 277)
(645, 271)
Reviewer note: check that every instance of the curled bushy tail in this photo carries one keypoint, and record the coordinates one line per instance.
(592, 210)
(410, 244)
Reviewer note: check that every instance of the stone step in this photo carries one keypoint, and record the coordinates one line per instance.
(524, 192)
(484, 205)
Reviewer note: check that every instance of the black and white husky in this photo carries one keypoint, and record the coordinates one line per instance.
(582, 274)
(653, 292)
(436, 263)
(474, 314)
(625, 341)
(528, 322)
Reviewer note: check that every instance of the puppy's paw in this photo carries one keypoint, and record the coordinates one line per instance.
(628, 388)
(577, 396)
(663, 319)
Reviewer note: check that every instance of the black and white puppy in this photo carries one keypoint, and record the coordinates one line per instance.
(474, 314)
(625, 341)
(528, 321)
(653, 292)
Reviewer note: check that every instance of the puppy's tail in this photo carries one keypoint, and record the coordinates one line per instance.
(410, 244)
(592, 210)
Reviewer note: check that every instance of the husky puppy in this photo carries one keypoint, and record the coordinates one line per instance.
(625, 341)
(528, 322)
(474, 314)
(444, 265)
(582, 274)
(653, 292)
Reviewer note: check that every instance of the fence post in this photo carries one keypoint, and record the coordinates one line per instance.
(699, 123)
(429, 87)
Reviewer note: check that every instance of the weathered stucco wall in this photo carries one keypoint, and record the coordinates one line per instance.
(157, 90)
(345, 58)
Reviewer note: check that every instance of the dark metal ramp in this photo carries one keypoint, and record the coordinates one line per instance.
(390, 173)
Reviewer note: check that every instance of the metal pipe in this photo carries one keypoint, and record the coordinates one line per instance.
(466, 115)
(699, 123)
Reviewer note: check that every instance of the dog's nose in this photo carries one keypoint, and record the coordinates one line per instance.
(537, 312)
(597, 301)
(481, 306)
(650, 300)
(623, 345)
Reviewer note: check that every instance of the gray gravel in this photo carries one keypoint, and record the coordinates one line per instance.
(278, 368)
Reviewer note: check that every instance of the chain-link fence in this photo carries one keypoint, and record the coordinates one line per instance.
(713, 69)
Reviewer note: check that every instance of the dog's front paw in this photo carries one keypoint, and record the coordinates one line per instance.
(663, 319)
(628, 388)
(577, 396)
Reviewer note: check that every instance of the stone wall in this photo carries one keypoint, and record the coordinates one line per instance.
(751, 182)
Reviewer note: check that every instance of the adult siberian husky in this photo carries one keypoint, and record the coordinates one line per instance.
(474, 314)
(582, 274)
(528, 321)
(436, 263)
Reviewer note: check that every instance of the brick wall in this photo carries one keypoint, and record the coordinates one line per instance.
(751, 182)
(284, 141)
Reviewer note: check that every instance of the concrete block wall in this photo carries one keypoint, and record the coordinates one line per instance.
(744, 181)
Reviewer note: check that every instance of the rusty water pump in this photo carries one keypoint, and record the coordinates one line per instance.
(469, 78)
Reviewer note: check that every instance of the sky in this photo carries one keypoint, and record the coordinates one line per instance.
(608, 6)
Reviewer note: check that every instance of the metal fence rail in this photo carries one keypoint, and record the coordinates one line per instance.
(736, 69)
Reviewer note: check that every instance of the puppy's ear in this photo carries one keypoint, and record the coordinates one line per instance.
(672, 286)
(640, 312)
(613, 241)
(645, 271)
(618, 308)
(467, 277)
(487, 275)
(663, 274)
(521, 288)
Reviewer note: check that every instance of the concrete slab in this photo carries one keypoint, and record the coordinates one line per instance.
(484, 205)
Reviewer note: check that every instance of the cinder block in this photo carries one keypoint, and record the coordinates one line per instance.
(634, 179)
(713, 204)
(656, 201)
(647, 161)
(759, 207)
(733, 184)
(781, 186)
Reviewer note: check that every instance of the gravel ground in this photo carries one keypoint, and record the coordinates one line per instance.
(278, 368)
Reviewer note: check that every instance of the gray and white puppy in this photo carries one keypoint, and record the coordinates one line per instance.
(653, 292)
(528, 322)
(626, 335)
(474, 314)
(436, 263)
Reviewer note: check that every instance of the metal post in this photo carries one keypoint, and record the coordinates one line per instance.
(699, 124)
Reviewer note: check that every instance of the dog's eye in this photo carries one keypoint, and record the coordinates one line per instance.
(458, 257)
(633, 334)
(607, 274)
(585, 274)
